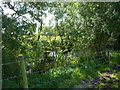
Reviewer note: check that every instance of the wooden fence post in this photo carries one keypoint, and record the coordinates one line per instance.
(23, 70)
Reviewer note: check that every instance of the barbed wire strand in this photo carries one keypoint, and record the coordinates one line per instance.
(44, 70)
(11, 63)
(11, 78)
(65, 70)
(61, 66)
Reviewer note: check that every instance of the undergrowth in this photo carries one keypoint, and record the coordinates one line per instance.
(69, 74)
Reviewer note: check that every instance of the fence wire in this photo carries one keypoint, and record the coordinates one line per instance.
(11, 63)
(65, 68)
(12, 77)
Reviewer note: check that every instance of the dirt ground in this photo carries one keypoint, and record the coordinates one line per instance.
(108, 79)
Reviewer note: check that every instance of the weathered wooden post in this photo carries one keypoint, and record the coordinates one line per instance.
(23, 70)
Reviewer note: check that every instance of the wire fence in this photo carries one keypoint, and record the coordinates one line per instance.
(11, 63)
(64, 66)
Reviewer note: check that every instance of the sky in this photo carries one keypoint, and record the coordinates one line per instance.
(46, 20)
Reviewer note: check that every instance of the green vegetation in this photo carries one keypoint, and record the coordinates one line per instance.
(71, 74)
(80, 43)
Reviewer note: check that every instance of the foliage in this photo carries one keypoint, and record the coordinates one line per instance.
(66, 76)
(78, 28)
